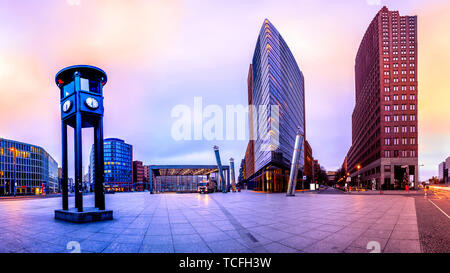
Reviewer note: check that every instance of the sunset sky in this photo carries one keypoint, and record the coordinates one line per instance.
(159, 54)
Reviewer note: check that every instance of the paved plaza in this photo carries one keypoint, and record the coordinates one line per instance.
(221, 223)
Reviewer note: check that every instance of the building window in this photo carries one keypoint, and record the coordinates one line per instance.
(387, 129)
(413, 141)
(413, 129)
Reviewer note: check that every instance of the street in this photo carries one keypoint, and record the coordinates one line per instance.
(433, 210)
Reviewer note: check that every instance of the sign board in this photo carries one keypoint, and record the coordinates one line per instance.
(312, 186)
(304, 177)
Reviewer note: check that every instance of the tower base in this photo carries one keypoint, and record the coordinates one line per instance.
(86, 216)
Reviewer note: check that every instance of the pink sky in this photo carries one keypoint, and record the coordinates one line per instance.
(158, 54)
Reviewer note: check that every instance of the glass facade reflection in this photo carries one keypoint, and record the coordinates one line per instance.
(118, 157)
(31, 167)
(276, 81)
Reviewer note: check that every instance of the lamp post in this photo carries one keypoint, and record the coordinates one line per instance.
(358, 167)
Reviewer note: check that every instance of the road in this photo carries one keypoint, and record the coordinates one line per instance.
(433, 219)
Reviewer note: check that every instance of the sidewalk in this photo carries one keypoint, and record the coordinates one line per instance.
(387, 192)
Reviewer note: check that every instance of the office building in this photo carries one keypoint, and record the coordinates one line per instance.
(276, 82)
(26, 169)
(118, 158)
(384, 120)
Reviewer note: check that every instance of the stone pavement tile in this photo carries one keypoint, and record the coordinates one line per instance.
(297, 230)
(103, 237)
(276, 235)
(406, 227)
(156, 248)
(232, 234)
(330, 228)
(298, 242)
(223, 225)
(207, 228)
(279, 248)
(405, 235)
(341, 240)
(186, 239)
(363, 241)
(134, 231)
(137, 225)
(280, 226)
(153, 230)
(44, 247)
(183, 229)
(377, 233)
(215, 236)
(407, 221)
(383, 226)
(317, 234)
(117, 247)
(129, 239)
(113, 230)
(356, 232)
(361, 225)
(248, 223)
(93, 246)
(158, 240)
(387, 220)
(227, 246)
(80, 234)
(324, 247)
(402, 246)
(199, 247)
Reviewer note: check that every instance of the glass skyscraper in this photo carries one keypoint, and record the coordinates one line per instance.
(276, 81)
(26, 169)
(118, 157)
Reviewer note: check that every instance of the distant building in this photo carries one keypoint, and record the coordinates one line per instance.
(31, 167)
(146, 173)
(118, 158)
(138, 176)
(185, 178)
(444, 170)
(331, 177)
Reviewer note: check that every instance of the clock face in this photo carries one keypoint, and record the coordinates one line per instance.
(91, 103)
(66, 106)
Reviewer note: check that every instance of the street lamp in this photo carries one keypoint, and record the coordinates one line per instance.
(358, 167)
(13, 151)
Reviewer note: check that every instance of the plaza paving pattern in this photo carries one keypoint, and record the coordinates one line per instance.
(232, 222)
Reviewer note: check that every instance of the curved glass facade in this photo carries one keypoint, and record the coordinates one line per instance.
(31, 167)
(277, 81)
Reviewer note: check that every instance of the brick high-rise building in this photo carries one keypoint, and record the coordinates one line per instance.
(138, 175)
(384, 120)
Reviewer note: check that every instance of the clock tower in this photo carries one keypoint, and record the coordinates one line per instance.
(81, 99)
